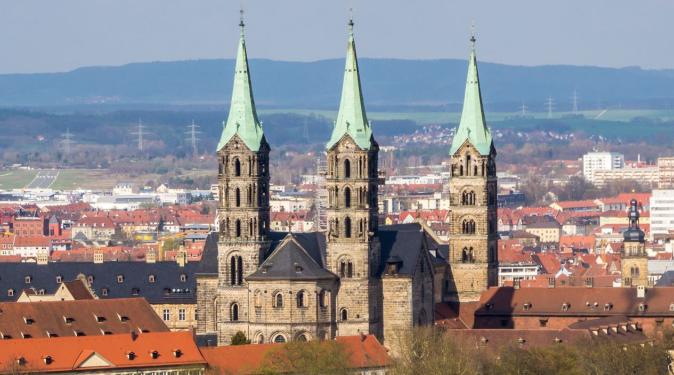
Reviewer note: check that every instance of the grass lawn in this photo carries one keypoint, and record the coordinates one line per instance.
(15, 179)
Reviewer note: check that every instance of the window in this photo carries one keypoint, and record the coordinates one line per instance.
(238, 228)
(135, 291)
(166, 314)
(347, 197)
(183, 277)
(234, 312)
(27, 279)
(151, 278)
(346, 268)
(300, 299)
(321, 299)
(120, 278)
(237, 168)
(104, 292)
(347, 227)
(468, 198)
(236, 270)
(238, 197)
(90, 280)
(301, 337)
(278, 300)
(467, 255)
(468, 226)
(258, 298)
(347, 168)
(344, 315)
(280, 339)
(59, 279)
(10, 292)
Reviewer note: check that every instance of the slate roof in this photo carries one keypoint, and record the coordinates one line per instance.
(297, 257)
(167, 287)
(402, 241)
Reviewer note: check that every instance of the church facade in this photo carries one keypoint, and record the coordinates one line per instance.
(358, 276)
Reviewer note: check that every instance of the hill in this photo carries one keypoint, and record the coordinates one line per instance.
(389, 84)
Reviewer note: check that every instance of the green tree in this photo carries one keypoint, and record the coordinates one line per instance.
(307, 358)
(240, 339)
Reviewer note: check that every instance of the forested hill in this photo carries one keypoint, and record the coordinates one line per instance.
(388, 83)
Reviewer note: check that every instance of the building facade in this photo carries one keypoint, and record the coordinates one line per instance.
(357, 277)
(596, 161)
(662, 213)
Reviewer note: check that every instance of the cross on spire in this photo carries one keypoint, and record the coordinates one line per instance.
(351, 21)
(242, 25)
(472, 36)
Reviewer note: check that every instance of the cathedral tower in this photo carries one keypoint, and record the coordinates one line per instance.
(352, 180)
(634, 258)
(473, 236)
(243, 209)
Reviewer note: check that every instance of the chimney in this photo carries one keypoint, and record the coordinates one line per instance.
(641, 291)
(516, 283)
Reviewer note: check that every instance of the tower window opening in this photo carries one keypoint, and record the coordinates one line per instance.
(238, 197)
(237, 168)
(234, 312)
(347, 227)
(238, 228)
(347, 197)
(347, 168)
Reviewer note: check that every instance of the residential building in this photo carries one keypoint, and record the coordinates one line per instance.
(31, 246)
(546, 231)
(648, 175)
(666, 172)
(67, 291)
(595, 161)
(662, 213)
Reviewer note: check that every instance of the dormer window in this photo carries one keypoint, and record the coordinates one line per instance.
(90, 279)
(120, 278)
(527, 306)
(154, 354)
(27, 279)
(131, 356)
(642, 307)
(68, 319)
(608, 306)
(104, 292)
(10, 292)
(183, 278)
(151, 279)
(59, 279)
(135, 291)
(565, 306)
(28, 321)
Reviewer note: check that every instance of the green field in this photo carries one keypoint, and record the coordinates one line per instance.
(15, 179)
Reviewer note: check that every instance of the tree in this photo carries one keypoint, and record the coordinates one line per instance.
(240, 339)
(307, 358)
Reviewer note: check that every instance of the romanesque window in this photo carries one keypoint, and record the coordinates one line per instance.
(104, 292)
(234, 312)
(301, 337)
(461, 170)
(347, 168)
(468, 226)
(468, 198)
(467, 164)
(238, 228)
(260, 339)
(301, 302)
(237, 197)
(346, 268)
(258, 298)
(236, 270)
(278, 300)
(237, 168)
(347, 197)
(249, 196)
(344, 315)
(279, 339)
(347, 227)
(467, 255)
(151, 279)
(634, 271)
(322, 299)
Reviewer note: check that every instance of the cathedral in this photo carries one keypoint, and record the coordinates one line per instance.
(358, 276)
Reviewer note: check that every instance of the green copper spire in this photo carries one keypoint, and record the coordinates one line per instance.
(473, 127)
(242, 119)
(351, 118)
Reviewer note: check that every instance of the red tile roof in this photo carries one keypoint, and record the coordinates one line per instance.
(66, 354)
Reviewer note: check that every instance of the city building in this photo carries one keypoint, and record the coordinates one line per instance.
(595, 161)
(662, 213)
(666, 172)
(634, 260)
(647, 175)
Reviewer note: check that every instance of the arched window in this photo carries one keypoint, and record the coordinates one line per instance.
(279, 339)
(260, 339)
(237, 194)
(234, 312)
(236, 270)
(471, 256)
(346, 268)
(468, 198)
(461, 170)
(301, 337)
(464, 255)
(475, 170)
(301, 299)
(258, 298)
(347, 168)
(347, 227)
(278, 300)
(467, 164)
(349, 270)
(237, 168)
(322, 299)
(238, 228)
(344, 315)
(468, 226)
(347, 197)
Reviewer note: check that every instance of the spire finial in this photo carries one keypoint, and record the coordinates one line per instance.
(472, 36)
(242, 25)
(351, 21)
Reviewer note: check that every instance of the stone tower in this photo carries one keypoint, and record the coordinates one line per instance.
(473, 236)
(243, 209)
(352, 180)
(634, 258)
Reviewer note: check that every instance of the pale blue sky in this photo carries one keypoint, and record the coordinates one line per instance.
(59, 35)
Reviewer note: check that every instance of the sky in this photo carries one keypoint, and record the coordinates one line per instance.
(53, 36)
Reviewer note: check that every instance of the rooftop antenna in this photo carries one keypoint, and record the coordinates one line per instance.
(524, 109)
(549, 103)
(192, 132)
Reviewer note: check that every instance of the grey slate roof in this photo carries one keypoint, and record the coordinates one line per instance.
(167, 288)
(403, 241)
(297, 257)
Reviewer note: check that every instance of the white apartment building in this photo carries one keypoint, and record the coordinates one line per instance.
(666, 172)
(517, 271)
(662, 212)
(645, 175)
(595, 161)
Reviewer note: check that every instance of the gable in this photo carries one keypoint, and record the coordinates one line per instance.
(88, 359)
